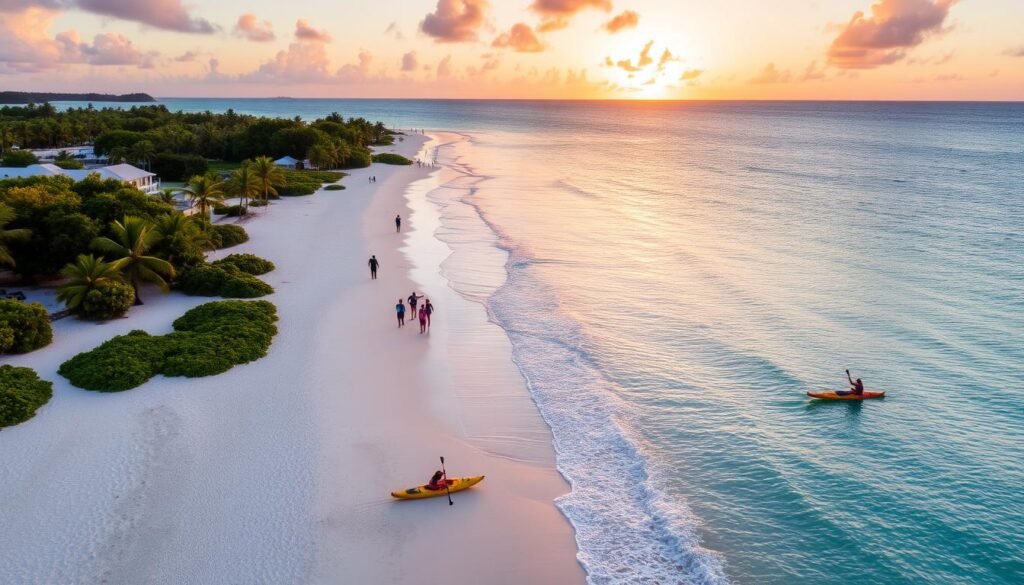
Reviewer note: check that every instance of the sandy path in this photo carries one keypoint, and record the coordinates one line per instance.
(278, 471)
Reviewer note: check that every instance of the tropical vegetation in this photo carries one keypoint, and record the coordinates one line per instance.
(95, 289)
(207, 340)
(24, 327)
(22, 393)
(129, 243)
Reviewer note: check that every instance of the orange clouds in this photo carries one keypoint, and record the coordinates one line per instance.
(520, 38)
(628, 19)
(884, 37)
(557, 13)
(455, 21)
(305, 32)
(250, 27)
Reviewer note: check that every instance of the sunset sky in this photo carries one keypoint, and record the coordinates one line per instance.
(645, 49)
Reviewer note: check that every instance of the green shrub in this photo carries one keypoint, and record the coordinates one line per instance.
(316, 176)
(298, 190)
(257, 203)
(226, 236)
(121, 363)
(389, 158)
(107, 300)
(26, 327)
(247, 263)
(359, 159)
(19, 158)
(69, 164)
(228, 210)
(334, 187)
(209, 339)
(21, 394)
(221, 280)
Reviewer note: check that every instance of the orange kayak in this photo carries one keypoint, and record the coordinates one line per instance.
(831, 395)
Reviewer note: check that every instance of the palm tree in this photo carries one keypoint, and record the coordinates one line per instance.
(166, 195)
(204, 191)
(142, 152)
(85, 274)
(344, 153)
(244, 184)
(323, 155)
(132, 238)
(269, 175)
(181, 239)
(6, 235)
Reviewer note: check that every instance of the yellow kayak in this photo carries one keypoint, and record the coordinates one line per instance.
(455, 484)
(831, 395)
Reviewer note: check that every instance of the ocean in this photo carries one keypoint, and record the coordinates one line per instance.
(675, 276)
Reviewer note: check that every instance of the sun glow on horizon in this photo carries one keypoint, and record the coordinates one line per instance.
(571, 49)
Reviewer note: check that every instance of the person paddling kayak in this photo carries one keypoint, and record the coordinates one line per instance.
(438, 481)
(856, 387)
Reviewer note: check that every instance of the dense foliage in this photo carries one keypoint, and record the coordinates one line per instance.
(209, 339)
(306, 182)
(24, 327)
(107, 300)
(333, 141)
(21, 394)
(19, 158)
(227, 236)
(178, 167)
(221, 280)
(247, 263)
(390, 158)
(334, 187)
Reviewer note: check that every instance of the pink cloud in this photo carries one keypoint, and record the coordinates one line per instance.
(26, 46)
(628, 19)
(770, 75)
(253, 29)
(556, 14)
(520, 38)
(444, 68)
(305, 32)
(165, 14)
(884, 37)
(409, 61)
(300, 62)
(455, 21)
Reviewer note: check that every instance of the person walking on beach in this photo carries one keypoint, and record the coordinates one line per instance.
(423, 321)
(400, 310)
(373, 267)
(428, 308)
(398, 223)
(413, 300)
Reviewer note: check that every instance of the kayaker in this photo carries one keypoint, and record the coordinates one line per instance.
(856, 386)
(438, 481)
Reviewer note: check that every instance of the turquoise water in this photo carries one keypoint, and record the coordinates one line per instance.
(679, 275)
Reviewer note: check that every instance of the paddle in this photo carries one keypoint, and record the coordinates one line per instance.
(446, 487)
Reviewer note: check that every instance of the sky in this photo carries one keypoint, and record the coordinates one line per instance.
(520, 49)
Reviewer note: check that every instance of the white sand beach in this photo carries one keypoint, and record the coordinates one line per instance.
(279, 471)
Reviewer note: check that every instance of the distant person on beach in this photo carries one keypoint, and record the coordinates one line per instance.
(400, 310)
(373, 267)
(428, 308)
(856, 386)
(423, 321)
(398, 223)
(413, 300)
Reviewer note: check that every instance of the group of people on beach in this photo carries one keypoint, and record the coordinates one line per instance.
(421, 313)
(372, 178)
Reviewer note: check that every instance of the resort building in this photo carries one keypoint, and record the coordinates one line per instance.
(144, 181)
(288, 162)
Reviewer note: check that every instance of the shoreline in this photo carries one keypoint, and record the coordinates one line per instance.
(280, 470)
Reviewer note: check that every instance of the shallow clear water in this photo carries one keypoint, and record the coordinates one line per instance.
(678, 276)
